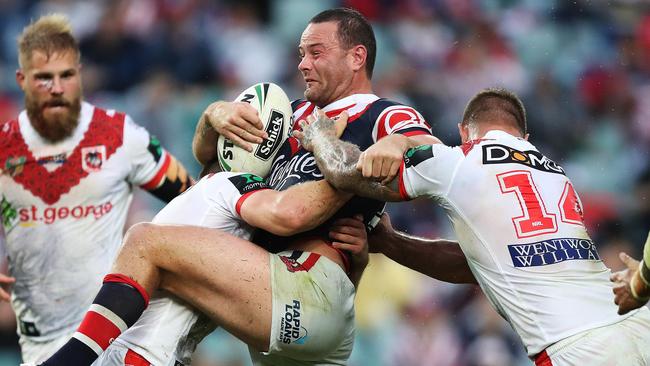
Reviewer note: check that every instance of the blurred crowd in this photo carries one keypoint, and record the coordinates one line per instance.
(582, 68)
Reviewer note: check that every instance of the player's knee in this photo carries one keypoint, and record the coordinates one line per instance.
(139, 239)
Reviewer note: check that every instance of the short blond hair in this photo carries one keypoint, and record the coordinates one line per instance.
(49, 34)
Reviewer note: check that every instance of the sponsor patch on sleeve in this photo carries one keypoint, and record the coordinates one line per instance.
(552, 251)
(246, 183)
(418, 154)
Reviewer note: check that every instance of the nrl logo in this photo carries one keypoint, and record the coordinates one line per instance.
(14, 165)
(92, 158)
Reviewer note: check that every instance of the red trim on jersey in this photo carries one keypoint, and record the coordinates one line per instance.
(243, 198)
(336, 112)
(399, 117)
(120, 278)
(160, 175)
(132, 358)
(17, 160)
(542, 359)
(300, 105)
(469, 145)
(98, 328)
(304, 115)
(400, 182)
(415, 133)
(294, 144)
(355, 116)
(310, 261)
(344, 258)
(294, 266)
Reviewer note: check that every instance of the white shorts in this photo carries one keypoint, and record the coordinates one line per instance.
(626, 343)
(37, 352)
(120, 355)
(313, 312)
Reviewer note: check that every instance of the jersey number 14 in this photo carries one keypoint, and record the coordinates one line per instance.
(536, 219)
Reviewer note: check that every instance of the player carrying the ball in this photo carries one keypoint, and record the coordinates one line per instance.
(233, 281)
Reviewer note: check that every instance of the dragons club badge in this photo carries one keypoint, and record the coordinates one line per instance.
(92, 158)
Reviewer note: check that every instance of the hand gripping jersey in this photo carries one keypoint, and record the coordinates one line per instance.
(370, 119)
(168, 330)
(63, 211)
(519, 222)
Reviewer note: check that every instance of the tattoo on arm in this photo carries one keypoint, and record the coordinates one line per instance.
(337, 161)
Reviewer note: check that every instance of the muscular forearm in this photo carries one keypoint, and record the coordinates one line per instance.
(302, 207)
(440, 259)
(337, 160)
(357, 272)
(204, 144)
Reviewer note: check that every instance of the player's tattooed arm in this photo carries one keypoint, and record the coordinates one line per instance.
(204, 143)
(337, 159)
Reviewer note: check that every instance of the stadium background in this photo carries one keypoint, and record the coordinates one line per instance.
(582, 68)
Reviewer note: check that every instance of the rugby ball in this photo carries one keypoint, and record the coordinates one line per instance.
(274, 109)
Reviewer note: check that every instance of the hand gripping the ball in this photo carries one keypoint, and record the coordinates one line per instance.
(237, 121)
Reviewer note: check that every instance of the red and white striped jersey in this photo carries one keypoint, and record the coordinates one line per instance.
(63, 209)
(370, 119)
(519, 222)
(168, 330)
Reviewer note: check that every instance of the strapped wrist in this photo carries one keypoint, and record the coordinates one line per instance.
(633, 290)
(644, 273)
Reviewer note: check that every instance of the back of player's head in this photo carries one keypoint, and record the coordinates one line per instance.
(497, 106)
(49, 34)
(353, 29)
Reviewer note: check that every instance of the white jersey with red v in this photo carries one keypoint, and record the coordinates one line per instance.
(64, 206)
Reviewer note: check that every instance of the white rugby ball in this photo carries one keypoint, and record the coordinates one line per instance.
(274, 109)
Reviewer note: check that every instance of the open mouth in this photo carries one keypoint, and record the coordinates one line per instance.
(56, 104)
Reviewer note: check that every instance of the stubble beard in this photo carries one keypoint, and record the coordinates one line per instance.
(315, 96)
(57, 127)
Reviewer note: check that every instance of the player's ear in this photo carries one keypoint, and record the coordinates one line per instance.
(20, 79)
(463, 130)
(358, 56)
(526, 136)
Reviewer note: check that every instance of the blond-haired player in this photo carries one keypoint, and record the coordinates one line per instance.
(67, 174)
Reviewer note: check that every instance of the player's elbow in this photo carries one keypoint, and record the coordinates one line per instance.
(289, 220)
(204, 154)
